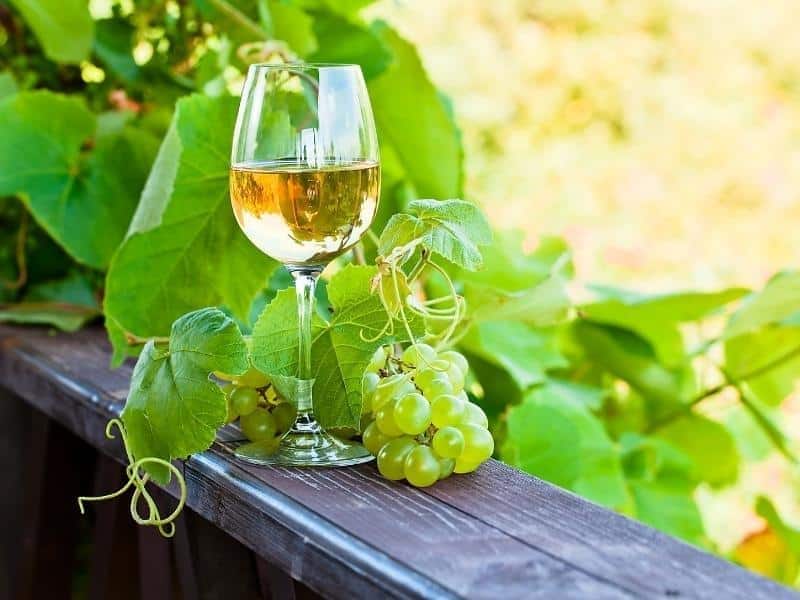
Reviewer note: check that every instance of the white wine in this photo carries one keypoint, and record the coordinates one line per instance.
(301, 215)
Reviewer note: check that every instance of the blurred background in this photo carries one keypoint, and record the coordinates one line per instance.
(660, 137)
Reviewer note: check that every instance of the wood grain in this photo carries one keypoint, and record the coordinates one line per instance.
(348, 533)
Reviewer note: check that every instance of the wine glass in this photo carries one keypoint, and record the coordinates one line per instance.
(304, 183)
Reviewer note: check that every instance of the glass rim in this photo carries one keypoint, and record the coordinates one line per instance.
(302, 66)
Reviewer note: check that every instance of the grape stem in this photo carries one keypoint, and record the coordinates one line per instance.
(138, 478)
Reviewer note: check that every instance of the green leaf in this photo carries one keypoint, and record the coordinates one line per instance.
(412, 119)
(565, 444)
(113, 44)
(629, 357)
(661, 487)
(656, 318)
(578, 394)
(340, 351)
(238, 19)
(342, 41)
(293, 26)
(708, 444)
(526, 354)
(67, 304)
(507, 266)
(788, 534)
(63, 27)
(451, 228)
(544, 304)
(173, 408)
(276, 334)
(778, 301)
(185, 249)
(773, 353)
(42, 160)
(8, 85)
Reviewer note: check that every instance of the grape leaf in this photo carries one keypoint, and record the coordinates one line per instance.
(629, 357)
(340, 351)
(424, 136)
(757, 351)
(778, 301)
(775, 550)
(41, 159)
(67, 304)
(657, 317)
(564, 443)
(173, 408)
(8, 85)
(451, 228)
(342, 41)
(708, 444)
(660, 482)
(113, 44)
(63, 27)
(544, 304)
(293, 26)
(527, 354)
(184, 249)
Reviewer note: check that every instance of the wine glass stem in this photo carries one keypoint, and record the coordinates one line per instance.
(305, 282)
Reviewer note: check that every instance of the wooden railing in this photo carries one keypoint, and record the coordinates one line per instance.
(294, 533)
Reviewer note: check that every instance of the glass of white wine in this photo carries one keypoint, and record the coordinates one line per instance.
(304, 184)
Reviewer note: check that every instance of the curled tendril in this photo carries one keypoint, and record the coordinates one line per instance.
(139, 479)
(389, 267)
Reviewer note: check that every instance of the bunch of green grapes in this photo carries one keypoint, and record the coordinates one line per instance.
(264, 417)
(422, 427)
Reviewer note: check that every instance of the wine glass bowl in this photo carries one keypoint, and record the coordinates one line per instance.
(304, 186)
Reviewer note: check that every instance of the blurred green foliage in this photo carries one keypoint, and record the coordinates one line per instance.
(113, 178)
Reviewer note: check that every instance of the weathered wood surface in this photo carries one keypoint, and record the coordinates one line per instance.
(348, 533)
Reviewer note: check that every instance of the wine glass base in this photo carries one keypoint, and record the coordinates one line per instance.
(307, 449)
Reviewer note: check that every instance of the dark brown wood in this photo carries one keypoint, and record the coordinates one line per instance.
(274, 583)
(114, 546)
(56, 471)
(15, 426)
(348, 533)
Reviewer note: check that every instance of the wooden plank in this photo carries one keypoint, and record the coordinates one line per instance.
(596, 540)
(349, 533)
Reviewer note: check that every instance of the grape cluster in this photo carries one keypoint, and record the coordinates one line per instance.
(422, 427)
(264, 417)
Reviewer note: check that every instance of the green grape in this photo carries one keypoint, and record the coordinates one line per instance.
(423, 377)
(258, 426)
(456, 377)
(384, 419)
(374, 439)
(455, 358)
(422, 467)
(478, 443)
(439, 385)
(439, 365)
(227, 388)
(284, 414)
(378, 360)
(252, 378)
(466, 466)
(390, 387)
(244, 400)
(419, 354)
(446, 466)
(412, 413)
(368, 386)
(447, 410)
(392, 457)
(475, 415)
(448, 442)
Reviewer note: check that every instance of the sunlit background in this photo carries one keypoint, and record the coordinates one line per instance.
(661, 137)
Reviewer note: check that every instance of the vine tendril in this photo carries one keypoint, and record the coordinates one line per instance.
(139, 479)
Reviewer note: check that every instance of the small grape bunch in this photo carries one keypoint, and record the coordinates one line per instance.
(423, 426)
(264, 417)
